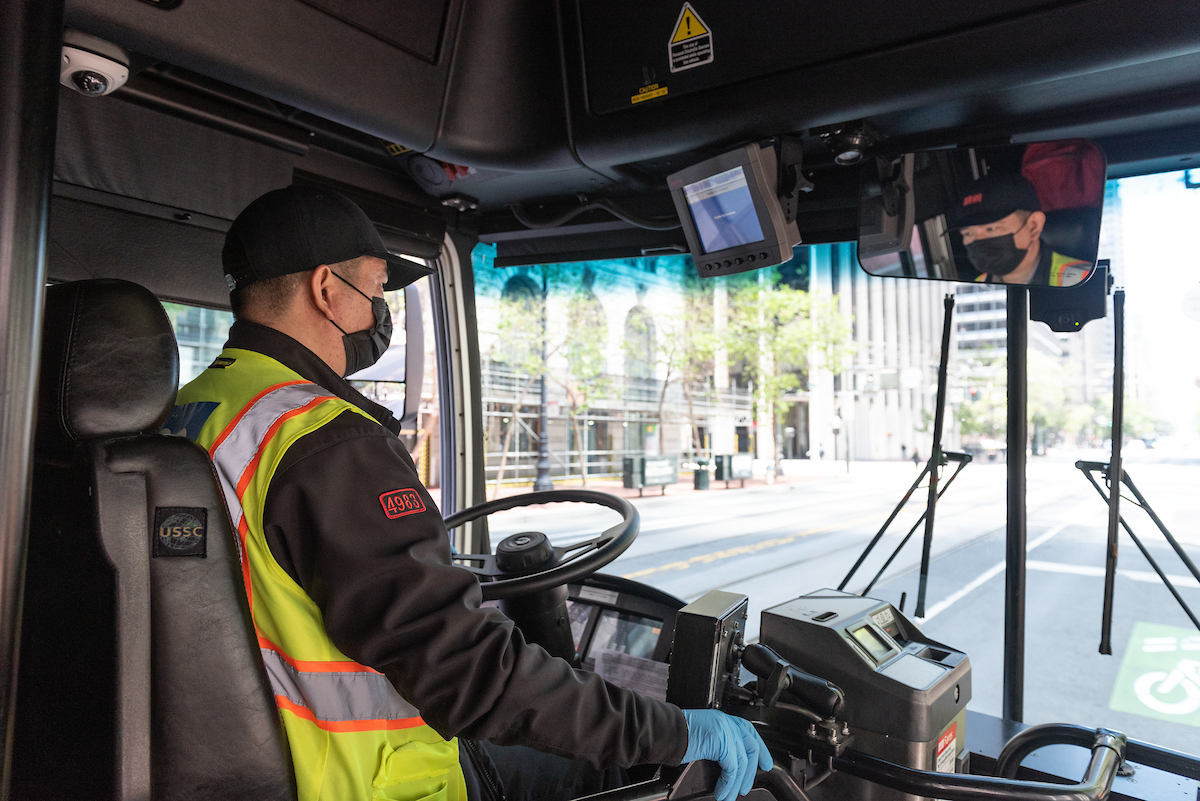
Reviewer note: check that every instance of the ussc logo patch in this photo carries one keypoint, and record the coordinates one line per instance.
(401, 502)
(180, 531)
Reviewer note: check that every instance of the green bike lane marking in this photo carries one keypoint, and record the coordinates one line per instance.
(1160, 675)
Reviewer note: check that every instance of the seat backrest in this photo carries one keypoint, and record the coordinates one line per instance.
(1073, 232)
(140, 675)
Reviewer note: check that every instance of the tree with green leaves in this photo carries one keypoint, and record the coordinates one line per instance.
(779, 333)
(522, 345)
(584, 343)
(686, 343)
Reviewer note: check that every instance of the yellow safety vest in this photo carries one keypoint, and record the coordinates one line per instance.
(352, 736)
(1064, 271)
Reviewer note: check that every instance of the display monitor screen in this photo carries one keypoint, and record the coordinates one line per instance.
(723, 211)
(625, 633)
(876, 647)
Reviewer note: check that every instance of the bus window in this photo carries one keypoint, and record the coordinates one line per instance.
(386, 382)
(201, 333)
(847, 439)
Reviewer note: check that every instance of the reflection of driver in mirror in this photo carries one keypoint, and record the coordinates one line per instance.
(1001, 224)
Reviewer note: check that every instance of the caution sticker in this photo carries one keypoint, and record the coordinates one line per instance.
(648, 92)
(691, 44)
(946, 747)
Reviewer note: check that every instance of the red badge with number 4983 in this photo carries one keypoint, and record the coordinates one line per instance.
(401, 502)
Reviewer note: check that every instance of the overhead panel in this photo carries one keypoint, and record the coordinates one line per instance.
(372, 65)
(636, 53)
(411, 26)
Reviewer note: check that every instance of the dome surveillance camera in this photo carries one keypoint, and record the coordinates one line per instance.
(92, 66)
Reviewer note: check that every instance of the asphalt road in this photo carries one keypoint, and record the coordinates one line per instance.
(774, 543)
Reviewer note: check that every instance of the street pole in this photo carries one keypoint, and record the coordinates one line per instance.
(846, 425)
(542, 482)
(778, 418)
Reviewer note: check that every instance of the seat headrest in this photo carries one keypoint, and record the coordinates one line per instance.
(110, 365)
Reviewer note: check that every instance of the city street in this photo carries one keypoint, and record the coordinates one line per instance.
(774, 543)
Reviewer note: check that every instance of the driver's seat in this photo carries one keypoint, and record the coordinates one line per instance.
(140, 675)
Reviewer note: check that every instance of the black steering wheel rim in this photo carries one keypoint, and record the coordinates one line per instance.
(605, 548)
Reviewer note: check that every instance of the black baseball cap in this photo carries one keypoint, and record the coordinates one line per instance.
(298, 228)
(995, 197)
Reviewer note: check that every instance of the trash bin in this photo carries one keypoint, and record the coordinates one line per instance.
(700, 477)
(632, 474)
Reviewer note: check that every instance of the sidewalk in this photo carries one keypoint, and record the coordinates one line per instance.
(614, 486)
(795, 471)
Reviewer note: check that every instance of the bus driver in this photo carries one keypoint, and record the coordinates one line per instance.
(378, 652)
(1001, 222)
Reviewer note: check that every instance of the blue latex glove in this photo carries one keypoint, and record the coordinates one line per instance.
(733, 743)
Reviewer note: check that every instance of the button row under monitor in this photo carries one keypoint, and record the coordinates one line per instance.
(715, 265)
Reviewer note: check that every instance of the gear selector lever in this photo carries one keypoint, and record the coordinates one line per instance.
(778, 676)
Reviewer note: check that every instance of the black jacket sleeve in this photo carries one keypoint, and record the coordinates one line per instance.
(392, 600)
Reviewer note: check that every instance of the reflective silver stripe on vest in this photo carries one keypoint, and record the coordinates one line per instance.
(237, 451)
(337, 697)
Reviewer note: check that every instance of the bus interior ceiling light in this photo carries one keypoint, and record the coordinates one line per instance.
(92, 66)
(584, 204)
(738, 209)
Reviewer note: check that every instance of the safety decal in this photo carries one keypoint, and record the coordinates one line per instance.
(691, 45)
(401, 502)
(180, 531)
(648, 92)
(946, 747)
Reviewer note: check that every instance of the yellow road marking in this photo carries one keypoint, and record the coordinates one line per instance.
(741, 550)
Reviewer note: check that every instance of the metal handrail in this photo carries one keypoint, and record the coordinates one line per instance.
(1108, 752)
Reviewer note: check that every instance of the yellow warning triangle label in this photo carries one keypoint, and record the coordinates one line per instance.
(689, 25)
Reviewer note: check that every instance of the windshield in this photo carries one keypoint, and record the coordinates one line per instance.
(821, 380)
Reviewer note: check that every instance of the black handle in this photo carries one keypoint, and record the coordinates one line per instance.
(822, 696)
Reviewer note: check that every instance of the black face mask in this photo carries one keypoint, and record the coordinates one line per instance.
(996, 256)
(363, 348)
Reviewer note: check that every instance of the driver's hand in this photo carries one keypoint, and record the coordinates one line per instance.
(733, 743)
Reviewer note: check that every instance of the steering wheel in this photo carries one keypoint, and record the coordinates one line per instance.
(527, 563)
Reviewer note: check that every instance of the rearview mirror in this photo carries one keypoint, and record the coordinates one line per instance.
(1014, 214)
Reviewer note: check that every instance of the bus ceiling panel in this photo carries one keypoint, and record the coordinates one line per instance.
(494, 190)
(1065, 43)
(629, 45)
(819, 223)
(174, 260)
(415, 28)
(1141, 97)
(395, 186)
(505, 106)
(324, 62)
(1163, 150)
(131, 151)
(1123, 92)
(1150, 126)
(612, 243)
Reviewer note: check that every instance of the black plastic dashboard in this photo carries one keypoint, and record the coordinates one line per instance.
(618, 616)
